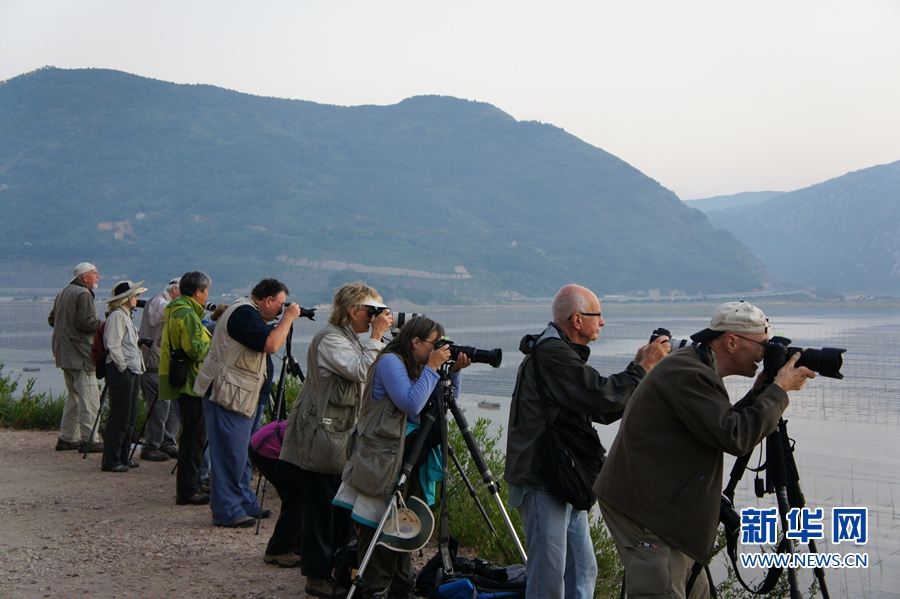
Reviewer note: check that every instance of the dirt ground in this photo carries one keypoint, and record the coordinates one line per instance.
(68, 530)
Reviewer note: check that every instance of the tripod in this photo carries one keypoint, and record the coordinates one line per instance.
(782, 479)
(96, 423)
(430, 417)
(278, 408)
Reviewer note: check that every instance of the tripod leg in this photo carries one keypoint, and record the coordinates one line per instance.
(96, 422)
(143, 428)
(262, 498)
(374, 543)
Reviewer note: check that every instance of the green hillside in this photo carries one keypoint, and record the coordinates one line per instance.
(843, 234)
(434, 197)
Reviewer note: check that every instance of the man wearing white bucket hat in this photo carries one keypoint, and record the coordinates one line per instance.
(74, 321)
(124, 367)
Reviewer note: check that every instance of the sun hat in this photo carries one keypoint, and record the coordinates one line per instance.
(733, 317)
(123, 291)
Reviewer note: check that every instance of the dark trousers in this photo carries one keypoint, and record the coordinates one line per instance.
(391, 570)
(325, 526)
(190, 445)
(124, 390)
(285, 477)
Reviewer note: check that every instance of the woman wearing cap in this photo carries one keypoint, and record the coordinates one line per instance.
(124, 367)
(398, 387)
(323, 419)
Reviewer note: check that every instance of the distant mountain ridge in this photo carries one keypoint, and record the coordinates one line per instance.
(843, 234)
(149, 179)
(745, 198)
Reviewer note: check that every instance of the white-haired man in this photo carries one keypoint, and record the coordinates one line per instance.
(74, 320)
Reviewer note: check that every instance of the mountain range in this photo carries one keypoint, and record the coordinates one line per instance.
(431, 199)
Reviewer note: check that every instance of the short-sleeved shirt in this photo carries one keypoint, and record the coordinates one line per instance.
(247, 327)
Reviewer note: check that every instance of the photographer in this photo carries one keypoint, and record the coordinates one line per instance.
(323, 419)
(660, 489)
(235, 381)
(183, 332)
(398, 387)
(561, 559)
(123, 376)
(162, 415)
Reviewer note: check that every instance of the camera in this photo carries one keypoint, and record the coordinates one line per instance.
(148, 343)
(400, 319)
(675, 343)
(478, 356)
(141, 303)
(309, 313)
(826, 361)
(729, 517)
(375, 312)
(210, 307)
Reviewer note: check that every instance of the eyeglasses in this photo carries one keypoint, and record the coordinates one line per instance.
(762, 344)
(433, 343)
(597, 314)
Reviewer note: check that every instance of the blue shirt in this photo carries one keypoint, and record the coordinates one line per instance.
(392, 380)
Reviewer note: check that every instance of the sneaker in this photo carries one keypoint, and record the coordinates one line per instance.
(195, 499)
(95, 447)
(153, 455)
(285, 560)
(133, 464)
(66, 445)
(262, 515)
(324, 587)
(116, 468)
(170, 451)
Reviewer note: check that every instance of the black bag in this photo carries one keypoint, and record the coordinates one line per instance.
(178, 367)
(570, 456)
(570, 453)
(99, 352)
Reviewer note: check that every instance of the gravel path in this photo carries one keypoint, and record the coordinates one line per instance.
(69, 530)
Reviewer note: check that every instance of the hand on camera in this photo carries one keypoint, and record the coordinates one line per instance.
(439, 356)
(648, 356)
(462, 361)
(790, 378)
(381, 324)
(291, 311)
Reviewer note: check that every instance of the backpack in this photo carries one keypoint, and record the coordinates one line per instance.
(99, 351)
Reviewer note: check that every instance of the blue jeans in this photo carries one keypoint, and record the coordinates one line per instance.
(561, 561)
(230, 495)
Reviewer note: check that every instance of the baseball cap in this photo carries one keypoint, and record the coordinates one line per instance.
(733, 317)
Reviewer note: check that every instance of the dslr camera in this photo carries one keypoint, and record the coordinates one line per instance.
(478, 356)
(675, 343)
(826, 361)
(309, 313)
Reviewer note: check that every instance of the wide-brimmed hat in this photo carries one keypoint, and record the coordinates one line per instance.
(409, 526)
(82, 268)
(733, 317)
(123, 291)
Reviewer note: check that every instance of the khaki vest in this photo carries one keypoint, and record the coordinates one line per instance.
(235, 371)
(378, 458)
(317, 437)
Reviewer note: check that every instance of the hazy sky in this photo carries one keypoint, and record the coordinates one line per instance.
(707, 97)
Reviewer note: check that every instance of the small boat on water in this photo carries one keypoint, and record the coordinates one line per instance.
(31, 369)
(489, 405)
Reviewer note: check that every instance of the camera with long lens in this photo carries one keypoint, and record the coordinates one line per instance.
(478, 356)
(375, 311)
(141, 303)
(675, 343)
(210, 307)
(309, 313)
(400, 319)
(826, 361)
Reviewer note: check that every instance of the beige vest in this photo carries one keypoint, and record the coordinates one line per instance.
(235, 371)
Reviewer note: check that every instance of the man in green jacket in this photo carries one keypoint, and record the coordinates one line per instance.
(660, 488)
(184, 330)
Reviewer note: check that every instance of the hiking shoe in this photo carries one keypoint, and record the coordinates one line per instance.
(170, 451)
(285, 560)
(324, 587)
(133, 464)
(242, 522)
(66, 445)
(116, 468)
(153, 455)
(195, 499)
(262, 515)
(204, 485)
(95, 447)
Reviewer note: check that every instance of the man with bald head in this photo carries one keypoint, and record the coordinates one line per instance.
(660, 489)
(561, 562)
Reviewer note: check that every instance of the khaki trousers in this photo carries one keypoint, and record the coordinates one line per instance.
(81, 406)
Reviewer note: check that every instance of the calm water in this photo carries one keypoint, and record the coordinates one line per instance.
(845, 431)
